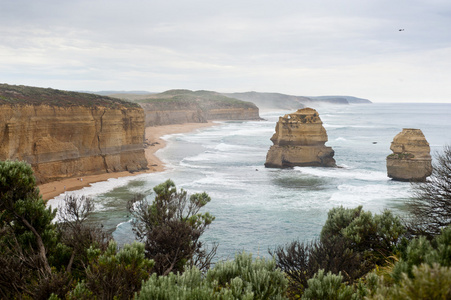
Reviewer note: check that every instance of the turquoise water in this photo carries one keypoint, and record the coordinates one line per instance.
(258, 208)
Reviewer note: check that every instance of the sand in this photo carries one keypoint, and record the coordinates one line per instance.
(153, 143)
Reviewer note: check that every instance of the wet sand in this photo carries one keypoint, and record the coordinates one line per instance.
(153, 142)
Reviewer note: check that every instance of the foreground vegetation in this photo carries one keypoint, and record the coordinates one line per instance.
(357, 256)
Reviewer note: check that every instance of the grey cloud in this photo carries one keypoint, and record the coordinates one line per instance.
(222, 44)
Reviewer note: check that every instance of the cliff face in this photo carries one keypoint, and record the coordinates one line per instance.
(62, 141)
(184, 106)
(299, 141)
(156, 116)
(411, 159)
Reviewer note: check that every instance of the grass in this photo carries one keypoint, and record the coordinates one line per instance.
(27, 95)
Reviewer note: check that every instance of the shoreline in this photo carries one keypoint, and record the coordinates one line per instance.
(153, 142)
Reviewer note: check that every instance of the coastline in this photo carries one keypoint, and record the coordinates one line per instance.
(153, 142)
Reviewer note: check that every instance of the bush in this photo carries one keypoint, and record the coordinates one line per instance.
(327, 287)
(115, 273)
(426, 282)
(300, 262)
(378, 233)
(421, 250)
(171, 227)
(352, 242)
(242, 278)
(27, 234)
(430, 208)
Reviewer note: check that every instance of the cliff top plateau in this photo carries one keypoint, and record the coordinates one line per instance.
(27, 95)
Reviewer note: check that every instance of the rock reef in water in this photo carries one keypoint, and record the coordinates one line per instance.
(300, 141)
(411, 159)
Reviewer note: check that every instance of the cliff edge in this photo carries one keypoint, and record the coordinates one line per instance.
(67, 134)
(300, 141)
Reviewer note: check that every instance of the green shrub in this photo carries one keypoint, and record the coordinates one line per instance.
(260, 276)
(426, 282)
(242, 278)
(171, 227)
(379, 233)
(420, 250)
(327, 287)
(117, 273)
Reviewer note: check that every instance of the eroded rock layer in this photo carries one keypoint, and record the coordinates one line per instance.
(411, 159)
(64, 140)
(300, 141)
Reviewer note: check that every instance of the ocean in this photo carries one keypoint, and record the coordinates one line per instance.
(258, 208)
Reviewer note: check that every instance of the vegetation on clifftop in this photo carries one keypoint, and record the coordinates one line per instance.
(204, 100)
(27, 95)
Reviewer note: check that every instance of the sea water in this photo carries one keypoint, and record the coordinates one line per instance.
(258, 208)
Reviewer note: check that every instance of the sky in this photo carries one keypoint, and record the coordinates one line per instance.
(381, 50)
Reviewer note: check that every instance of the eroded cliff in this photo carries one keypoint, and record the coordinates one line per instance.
(184, 106)
(66, 134)
(300, 141)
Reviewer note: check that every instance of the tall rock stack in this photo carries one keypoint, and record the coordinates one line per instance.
(299, 141)
(411, 158)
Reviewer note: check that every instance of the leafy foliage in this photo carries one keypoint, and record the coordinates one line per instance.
(116, 273)
(378, 233)
(171, 227)
(242, 278)
(352, 243)
(420, 250)
(327, 287)
(26, 229)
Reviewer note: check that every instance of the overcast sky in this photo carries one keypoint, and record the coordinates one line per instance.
(298, 47)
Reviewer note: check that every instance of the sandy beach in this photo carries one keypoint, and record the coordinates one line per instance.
(153, 143)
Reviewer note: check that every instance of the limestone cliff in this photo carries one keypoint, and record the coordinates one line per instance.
(184, 106)
(300, 141)
(66, 134)
(411, 159)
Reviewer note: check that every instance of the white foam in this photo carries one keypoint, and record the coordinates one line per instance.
(344, 173)
(353, 195)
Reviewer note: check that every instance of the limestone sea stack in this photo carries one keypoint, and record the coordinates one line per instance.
(411, 158)
(300, 141)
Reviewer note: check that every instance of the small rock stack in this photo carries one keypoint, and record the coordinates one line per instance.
(299, 141)
(411, 159)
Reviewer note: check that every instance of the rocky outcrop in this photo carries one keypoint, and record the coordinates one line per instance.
(300, 141)
(411, 159)
(64, 140)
